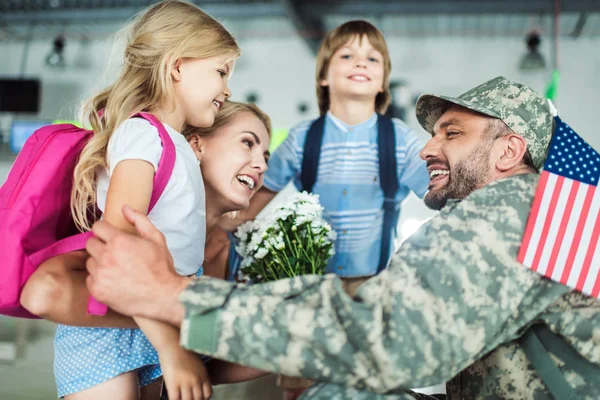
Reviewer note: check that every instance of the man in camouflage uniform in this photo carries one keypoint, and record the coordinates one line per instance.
(451, 306)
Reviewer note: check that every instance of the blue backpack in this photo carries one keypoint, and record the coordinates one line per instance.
(386, 143)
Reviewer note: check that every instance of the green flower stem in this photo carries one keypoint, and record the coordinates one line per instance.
(300, 255)
(285, 263)
(310, 236)
(287, 239)
(302, 248)
(273, 270)
(311, 241)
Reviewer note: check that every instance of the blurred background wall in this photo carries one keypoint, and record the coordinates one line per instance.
(436, 46)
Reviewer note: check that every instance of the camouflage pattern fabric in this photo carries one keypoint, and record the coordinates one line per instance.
(522, 109)
(449, 308)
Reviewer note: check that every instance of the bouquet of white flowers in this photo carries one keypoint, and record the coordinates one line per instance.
(290, 241)
(293, 240)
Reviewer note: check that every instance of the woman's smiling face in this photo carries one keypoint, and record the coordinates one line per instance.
(233, 162)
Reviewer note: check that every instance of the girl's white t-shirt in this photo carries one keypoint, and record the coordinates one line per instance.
(180, 213)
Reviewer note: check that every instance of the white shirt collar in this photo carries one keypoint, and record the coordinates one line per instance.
(347, 127)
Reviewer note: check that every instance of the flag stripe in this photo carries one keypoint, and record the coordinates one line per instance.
(586, 242)
(549, 216)
(578, 233)
(570, 233)
(592, 262)
(539, 223)
(554, 216)
(535, 208)
(562, 237)
(596, 290)
(566, 215)
(588, 257)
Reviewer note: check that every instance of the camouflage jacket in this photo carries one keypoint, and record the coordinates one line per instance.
(449, 308)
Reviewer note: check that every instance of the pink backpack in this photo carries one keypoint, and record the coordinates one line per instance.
(35, 215)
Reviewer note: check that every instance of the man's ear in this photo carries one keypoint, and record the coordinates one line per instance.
(197, 145)
(176, 70)
(510, 152)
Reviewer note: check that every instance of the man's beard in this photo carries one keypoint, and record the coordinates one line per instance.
(469, 174)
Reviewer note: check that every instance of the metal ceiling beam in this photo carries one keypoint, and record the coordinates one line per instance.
(579, 25)
(428, 7)
(309, 25)
(219, 10)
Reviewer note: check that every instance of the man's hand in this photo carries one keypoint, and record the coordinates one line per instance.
(134, 275)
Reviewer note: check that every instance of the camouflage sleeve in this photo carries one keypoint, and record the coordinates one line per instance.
(452, 294)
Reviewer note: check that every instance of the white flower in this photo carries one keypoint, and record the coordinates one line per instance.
(257, 238)
(261, 253)
(243, 230)
(331, 235)
(241, 249)
(305, 197)
(302, 219)
(279, 242)
(246, 262)
(317, 225)
(278, 235)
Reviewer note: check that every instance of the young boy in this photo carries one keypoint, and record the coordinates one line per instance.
(353, 75)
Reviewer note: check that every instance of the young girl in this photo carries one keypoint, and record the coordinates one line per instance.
(235, 146)
(177, 63)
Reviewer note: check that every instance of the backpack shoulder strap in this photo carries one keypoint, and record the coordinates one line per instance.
(539, 342)
(167, 159)
(388, 165)
(312, 154)
(161, 178)
(388, 179)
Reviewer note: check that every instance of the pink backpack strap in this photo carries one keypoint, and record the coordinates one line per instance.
(66, 245)
(167, 159)
(163, 174)
(161, 178)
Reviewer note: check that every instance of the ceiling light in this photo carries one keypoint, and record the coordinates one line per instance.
(533, 59)
(55, 58)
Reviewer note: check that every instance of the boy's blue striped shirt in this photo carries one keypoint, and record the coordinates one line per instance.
(348, 184)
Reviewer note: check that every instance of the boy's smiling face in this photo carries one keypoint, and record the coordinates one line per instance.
(355, 71)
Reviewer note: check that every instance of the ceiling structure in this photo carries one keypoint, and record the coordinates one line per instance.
(29, 19)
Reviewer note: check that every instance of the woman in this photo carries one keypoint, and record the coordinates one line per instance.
(233, 156)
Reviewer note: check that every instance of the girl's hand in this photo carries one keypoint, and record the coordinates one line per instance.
(184, 375)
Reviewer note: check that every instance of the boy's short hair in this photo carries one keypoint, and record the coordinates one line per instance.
(339, 37)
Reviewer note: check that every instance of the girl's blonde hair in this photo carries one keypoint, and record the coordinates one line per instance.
(165, 32)
(339, 37)
(228, 112)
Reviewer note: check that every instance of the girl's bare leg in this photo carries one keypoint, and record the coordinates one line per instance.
(122, 387)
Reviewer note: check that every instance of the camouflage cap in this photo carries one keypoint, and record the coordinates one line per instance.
(518, 106)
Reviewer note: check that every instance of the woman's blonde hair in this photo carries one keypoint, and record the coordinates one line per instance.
(339, 37)
(165, 32)
(228, 112)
